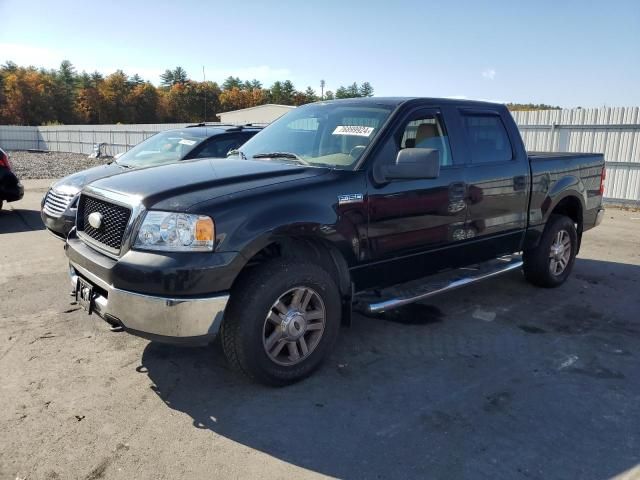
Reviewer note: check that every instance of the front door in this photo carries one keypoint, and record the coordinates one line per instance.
(410, 218)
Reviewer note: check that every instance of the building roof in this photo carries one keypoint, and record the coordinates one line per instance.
(259, 106)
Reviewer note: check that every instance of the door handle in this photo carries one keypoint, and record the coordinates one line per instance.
(457, 191)
(519, 182)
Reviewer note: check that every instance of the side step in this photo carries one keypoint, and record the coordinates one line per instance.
(415, 291)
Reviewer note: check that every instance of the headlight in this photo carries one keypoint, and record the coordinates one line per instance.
(176, 232)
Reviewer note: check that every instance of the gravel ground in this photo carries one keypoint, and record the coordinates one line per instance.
(30, 165)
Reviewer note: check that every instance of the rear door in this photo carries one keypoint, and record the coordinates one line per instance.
(498, 179)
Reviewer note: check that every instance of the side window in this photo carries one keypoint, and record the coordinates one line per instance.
(427, 131)
(487, 138)
(219, 146)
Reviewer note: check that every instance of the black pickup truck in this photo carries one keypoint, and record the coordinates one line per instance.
(362, 203)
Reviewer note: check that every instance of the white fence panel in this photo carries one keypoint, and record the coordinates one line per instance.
(615, 132)
(612, 131)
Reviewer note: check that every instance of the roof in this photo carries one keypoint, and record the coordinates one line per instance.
(209, 130)
(395, 101)
(259, 106)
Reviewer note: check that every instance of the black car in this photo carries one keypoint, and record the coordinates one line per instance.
(60, 203)
(11, 189)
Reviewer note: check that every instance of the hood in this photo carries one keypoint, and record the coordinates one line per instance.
(180, 185)
(75, 182)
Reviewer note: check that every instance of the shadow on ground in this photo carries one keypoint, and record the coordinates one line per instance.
(537, 393)
(15, 221)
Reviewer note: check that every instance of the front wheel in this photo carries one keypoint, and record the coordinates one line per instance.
(282, 321)
(550, 263)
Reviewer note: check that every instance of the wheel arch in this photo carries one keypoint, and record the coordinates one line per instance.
(306, 248)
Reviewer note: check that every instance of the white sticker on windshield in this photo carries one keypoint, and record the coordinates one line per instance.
(184, 141)
(353, 130)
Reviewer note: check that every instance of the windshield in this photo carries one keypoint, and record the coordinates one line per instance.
(321, 134)
(164, 147)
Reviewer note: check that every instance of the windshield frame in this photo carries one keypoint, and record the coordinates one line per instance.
(173, 131)
(347, 103)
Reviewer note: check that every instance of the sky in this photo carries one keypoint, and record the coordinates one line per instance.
(562, 52)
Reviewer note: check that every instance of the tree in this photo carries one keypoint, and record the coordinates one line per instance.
(236, 98)
(353, 90)
(341, 92)
(366, 90)
(186, 102)
(288, 90)
(530, 106)
(143, 101)
(114, 92)
(136, 80)
(36, 96)
(310, 95)
(231, 82)
(173, 77)
(63, 92)
(96, 79)
(27, 99)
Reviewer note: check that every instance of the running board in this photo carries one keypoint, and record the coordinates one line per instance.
(443, 282)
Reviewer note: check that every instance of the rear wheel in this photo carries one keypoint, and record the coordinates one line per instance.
(550, 263)
(282, 321)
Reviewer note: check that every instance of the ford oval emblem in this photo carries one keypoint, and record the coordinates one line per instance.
(95, 220)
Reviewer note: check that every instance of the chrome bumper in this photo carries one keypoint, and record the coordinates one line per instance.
(151, 316)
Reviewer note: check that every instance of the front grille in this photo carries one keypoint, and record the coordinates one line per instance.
(55, 203)
(114, 221)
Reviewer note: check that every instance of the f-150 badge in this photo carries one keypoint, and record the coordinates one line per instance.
(350, 198)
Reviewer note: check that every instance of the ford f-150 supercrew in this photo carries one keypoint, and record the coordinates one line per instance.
(362, 204)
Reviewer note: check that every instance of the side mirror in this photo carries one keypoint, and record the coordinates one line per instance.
(414, 163)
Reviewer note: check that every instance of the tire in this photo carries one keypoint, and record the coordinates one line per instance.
(539, 267)
(252, 316)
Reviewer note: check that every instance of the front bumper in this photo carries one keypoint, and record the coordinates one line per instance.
(192, 321)
(59, 226)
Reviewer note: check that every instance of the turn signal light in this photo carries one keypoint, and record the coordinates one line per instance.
(204, 229)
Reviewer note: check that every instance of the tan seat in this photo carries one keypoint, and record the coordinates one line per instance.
(426, 131)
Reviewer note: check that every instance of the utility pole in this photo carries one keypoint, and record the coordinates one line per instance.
(322, 89)
(204, 87)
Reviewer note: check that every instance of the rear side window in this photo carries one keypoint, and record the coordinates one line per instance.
(487, 137)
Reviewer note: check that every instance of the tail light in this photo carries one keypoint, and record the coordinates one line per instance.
(4, 160)
(602, 178)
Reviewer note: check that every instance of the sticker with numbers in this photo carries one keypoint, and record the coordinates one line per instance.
(353, 130)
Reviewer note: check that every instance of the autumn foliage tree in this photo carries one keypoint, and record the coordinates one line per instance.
(31, 96)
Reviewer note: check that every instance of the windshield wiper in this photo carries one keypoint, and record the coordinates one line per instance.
(290, 156)
(235, 151)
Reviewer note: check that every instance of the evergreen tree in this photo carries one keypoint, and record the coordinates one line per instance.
(366, 90)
